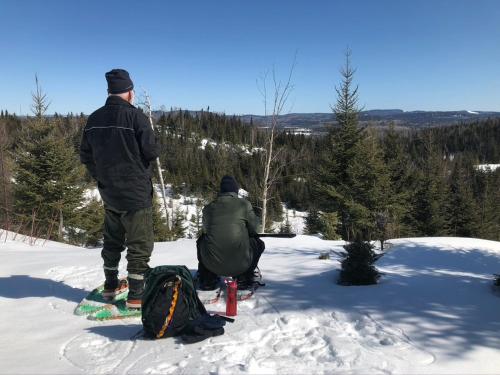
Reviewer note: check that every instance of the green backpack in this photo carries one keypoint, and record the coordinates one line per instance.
(171, 307)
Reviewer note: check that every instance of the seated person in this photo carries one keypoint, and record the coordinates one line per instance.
(229, 244)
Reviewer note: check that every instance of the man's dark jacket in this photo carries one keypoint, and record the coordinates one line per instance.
(228, 224)
(118, 146)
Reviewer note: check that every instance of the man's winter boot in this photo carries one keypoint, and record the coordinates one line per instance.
(112, 287)
(135, 291)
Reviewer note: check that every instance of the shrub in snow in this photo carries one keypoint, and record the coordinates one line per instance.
(357, 266)
(496, 281)
(325, 223)
(324, 255)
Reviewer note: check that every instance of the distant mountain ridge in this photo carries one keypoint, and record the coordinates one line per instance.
(317, 122)
(379, 117)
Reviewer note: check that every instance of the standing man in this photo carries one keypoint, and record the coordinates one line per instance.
(229, 245)
(118, 147)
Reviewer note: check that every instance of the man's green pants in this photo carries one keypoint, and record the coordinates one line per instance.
(132, 230)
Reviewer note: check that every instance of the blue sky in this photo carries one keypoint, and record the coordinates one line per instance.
(412, 55)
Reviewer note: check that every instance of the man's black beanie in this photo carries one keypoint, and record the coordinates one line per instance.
(119, 81)
(229, 185)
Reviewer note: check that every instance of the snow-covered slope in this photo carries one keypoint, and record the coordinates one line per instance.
(433, 312)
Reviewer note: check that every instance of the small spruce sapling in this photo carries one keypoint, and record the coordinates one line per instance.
(358, 265)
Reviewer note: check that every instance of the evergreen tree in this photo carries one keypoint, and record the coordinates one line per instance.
(160, 227)
(89, 228)
(48, 179)
(286, 227)
(313, 222)
(369, 188)
(178, 228)
(351, 178)
(48, 175)
(275, 208)
(358, 264)
(429, 193)
(330, 224)
(461, 210)
(198, 218)
(5, 177)
(334, 182)
(488, 196)
(425, 218)
(400, 171)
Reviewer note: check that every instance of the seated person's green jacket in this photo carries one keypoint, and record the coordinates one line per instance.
(228, 224)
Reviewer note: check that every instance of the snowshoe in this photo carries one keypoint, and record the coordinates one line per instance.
(96, 301)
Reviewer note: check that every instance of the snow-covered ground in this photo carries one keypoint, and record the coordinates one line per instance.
(245, 149)
(296, 220)
(433, 313)
(189, 206)
(487, 167)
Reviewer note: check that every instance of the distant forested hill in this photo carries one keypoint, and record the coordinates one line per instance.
(432, 170)
(318, 121)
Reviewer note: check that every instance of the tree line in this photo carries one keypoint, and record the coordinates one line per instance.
(356, 182)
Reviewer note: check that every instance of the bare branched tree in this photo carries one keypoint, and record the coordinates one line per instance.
(274, 162)
(145, 103)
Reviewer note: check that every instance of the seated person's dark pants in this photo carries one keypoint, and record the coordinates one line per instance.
(206, 276)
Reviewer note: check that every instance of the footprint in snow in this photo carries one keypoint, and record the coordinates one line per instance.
(95, 354)
(299, 343)
(291, 344)
(377, 340)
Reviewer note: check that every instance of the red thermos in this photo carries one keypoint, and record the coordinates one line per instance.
(231, 304)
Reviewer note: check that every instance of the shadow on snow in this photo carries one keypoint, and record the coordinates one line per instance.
(444, 295)
(24, 286)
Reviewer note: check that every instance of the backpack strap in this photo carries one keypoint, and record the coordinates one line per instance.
(171, 311)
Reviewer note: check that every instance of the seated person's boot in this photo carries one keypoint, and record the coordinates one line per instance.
(207, 282)
(248, 280)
